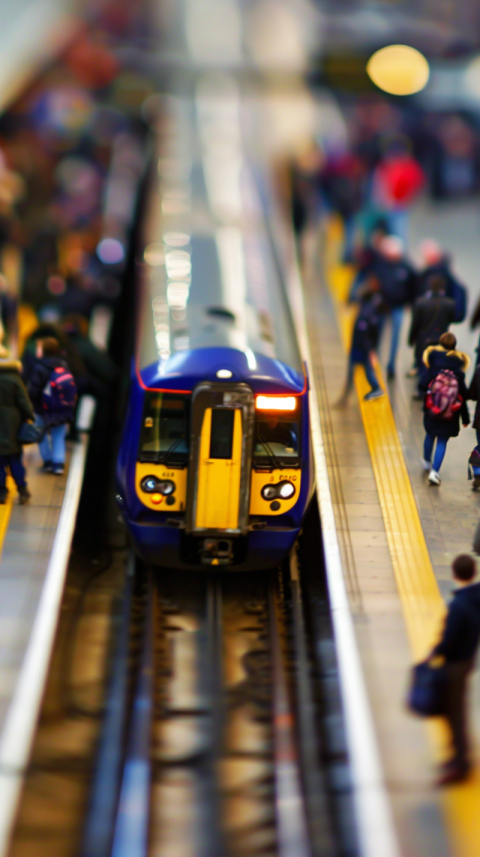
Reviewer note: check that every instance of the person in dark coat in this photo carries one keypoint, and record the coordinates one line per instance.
(52, 446)
(432, 315)
(397, 284)
(366, 332)
(474, 395)
(438, 263)
(15, 409)
(436, 359)
(458, 646)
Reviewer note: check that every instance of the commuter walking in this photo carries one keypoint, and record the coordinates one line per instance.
(432, 315)
(445, 401)
(437, 263)
(474, 395)
(53, 392)
(397, 285)
(366, 332)
(396, 182)
(15, 409)
(458, 646)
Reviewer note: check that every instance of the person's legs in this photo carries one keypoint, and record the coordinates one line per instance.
(396, 316)
(439, 453)
(3, 478)
(17, 470)
(456, 714)
(44, 445)
(58, 434)
(370, 373)
(428, 447)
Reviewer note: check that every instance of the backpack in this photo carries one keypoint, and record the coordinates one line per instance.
(60, 393)
(442, 399)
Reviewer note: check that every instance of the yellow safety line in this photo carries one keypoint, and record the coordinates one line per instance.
(6, 511)
(422, 603)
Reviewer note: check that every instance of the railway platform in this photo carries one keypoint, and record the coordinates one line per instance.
(397, 534)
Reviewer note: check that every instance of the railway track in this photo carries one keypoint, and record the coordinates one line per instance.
(212, 742)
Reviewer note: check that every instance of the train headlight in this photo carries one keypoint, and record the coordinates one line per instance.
(282, 490)
(286, 490)
(269, 492)
(152, 485)
(149, 484)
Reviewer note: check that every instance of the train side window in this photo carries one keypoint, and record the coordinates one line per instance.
(165, 428)
(277, 436)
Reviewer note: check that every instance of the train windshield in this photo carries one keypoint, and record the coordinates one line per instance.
(277, 439)
(164, 435)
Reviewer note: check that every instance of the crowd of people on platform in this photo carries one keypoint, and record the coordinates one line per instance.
(371, 185)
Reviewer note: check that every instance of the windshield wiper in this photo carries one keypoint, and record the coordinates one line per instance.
(166, 455)
(276, 461)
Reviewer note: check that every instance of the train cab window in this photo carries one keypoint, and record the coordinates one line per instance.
(164, 433)
(277, 439)
(221, 435)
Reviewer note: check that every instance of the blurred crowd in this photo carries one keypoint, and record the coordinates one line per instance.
(71, 162)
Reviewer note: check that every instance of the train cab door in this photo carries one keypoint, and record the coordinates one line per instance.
(222, 423)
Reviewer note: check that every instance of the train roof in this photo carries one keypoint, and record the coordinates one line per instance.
(209, 275)
(184, 370)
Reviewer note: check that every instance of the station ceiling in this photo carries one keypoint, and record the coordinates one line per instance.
(441, 28)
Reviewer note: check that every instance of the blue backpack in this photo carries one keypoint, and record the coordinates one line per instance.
(60, 393)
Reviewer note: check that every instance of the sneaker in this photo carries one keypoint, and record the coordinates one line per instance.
(3, 495)
(427, 465)
(434, 478)
(390, 374)
(373, 394)
(23, 495)
(476, 483)
(58, 469)
(46, 467)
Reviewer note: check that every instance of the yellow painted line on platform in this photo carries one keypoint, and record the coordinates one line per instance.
(422, 604)
(6, 511)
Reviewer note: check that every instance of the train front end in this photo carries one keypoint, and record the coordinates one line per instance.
(216, 471)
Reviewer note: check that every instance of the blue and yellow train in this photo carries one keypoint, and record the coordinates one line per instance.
(215, 466)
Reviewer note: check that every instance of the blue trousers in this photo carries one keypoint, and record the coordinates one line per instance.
(52, 445)
(369, 372)
(440, 450)
(396, 316)
(15, 465)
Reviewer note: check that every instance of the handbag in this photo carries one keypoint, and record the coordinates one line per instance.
(427, 693)
(29, 433)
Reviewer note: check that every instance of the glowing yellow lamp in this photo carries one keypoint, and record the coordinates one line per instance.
(398, 69)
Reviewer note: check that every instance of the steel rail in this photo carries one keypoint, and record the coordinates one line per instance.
(133, 816)
(291, 815)
(101, 813)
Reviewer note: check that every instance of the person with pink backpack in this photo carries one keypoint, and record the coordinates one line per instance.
(445, 400)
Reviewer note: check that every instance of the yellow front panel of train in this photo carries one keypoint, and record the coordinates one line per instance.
(175, 502)
(260, 506)
(219, 470)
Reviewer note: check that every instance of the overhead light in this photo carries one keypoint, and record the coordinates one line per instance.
(398, 70)
(110, 251)
(275, 403)
(154, 255)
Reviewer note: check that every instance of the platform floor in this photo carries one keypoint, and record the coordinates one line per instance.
(392, 564)
(28, 533)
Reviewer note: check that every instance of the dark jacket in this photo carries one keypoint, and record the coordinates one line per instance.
(453, 288)
(474, 394)
(15, 407)
(366, 330)
(436, 358)
(432, 316)
(397, 281)
(462, 626)
(39, 377)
